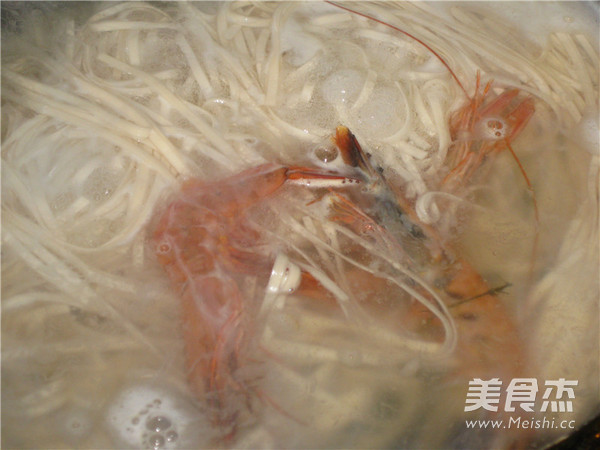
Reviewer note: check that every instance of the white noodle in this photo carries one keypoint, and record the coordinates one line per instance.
(102, 118)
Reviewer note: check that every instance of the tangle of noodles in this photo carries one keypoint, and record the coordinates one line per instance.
(106, 107)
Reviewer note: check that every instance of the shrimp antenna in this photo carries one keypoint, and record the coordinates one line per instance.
(406, 33)
(535, 207)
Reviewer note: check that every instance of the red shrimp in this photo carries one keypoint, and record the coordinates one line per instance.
(206, 246)
(488, 344)
(487, 337)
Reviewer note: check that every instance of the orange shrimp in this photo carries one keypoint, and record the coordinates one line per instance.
(488, 344)
(205, 245)
(481, 318)
(485, 126)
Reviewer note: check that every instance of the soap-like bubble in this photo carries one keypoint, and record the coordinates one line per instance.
(491, 128)
(158, 423)
(171, 436)
(156, 441)
(326, 154)
(382, 114)
(342, 87)
(149, 417)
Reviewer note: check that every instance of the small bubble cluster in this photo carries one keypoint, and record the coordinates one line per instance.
(159, 431)
(147, 418)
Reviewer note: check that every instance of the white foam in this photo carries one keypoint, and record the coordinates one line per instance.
(146, 416)
(342, 88)
(381, 114)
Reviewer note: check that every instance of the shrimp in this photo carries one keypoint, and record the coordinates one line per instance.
(488, 340)
(488, 344)
(205, 245)
(483, 127)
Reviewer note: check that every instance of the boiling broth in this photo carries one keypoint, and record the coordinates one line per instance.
(108, 107)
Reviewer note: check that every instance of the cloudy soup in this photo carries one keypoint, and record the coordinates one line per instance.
(298, 225)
